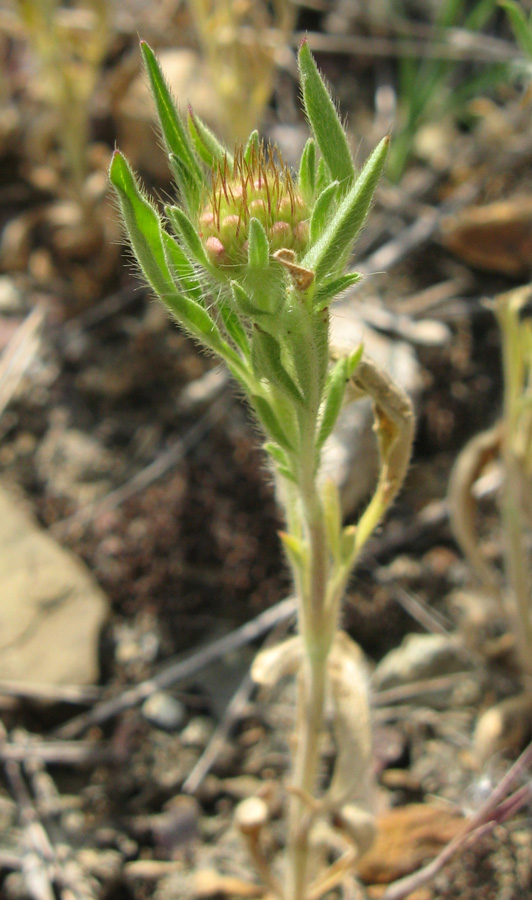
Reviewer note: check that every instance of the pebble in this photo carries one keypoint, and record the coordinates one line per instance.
(10, 297)
(197, 733)
(164, 711)
(419, 657)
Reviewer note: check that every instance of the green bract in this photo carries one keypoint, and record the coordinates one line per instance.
(252, 256)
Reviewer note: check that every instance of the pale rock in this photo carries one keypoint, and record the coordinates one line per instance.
(51, 610)
(164, 711)
(419, 657)
(11, 298)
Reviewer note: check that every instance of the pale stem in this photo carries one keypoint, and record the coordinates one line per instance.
(517, 567)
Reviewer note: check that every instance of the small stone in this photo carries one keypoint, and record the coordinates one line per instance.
(197, 733)
(164, 711)
(11, 301)
(419, 657)
(52, 610)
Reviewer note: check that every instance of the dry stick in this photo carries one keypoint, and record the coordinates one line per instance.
(67, 753)
(152, 472)
(180, 670)
(428, 618)
(481, 819)
(220, 736)
(38, 853)
(232, 714)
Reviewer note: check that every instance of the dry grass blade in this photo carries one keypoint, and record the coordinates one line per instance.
(19, 354)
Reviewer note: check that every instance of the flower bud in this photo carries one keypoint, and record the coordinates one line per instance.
(262, 188)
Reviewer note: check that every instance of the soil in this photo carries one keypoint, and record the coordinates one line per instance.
(192, 554)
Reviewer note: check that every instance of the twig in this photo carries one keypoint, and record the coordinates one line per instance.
(18, 355)
(232, 714)
(74, 753)
(180, 670)
(150, 473)
(482, 819)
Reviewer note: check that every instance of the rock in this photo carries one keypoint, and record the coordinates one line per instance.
(504, 728)
(51, 610)
(420, 656)
(197, 733)
(350, 455)
(186, 74)
(74, 464)
(11, 299)
(164, 711)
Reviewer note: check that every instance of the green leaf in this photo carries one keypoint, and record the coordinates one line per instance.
(190, 237)
(330, 289)
(324, 120)
(277, 453)
(296, 550)
(353, 360)
(258, 246)
(306, 181)
(521, 27)
(270, 422)
(188, 187)
(267, 363)
(206, 144)
(252, 147)
(197, 321)
(244, 303)
(334, 392)
(174, 133)
(332, 249)
(143, 225)
(321, 212)
(181, 268)
(234, 328)
(323, 176)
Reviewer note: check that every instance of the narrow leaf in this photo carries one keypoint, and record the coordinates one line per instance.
(189, 189)
(306, 181)
(324, 120)
(258, 246)
(322, 208)
(245, 304)
(197, 321)
(252, 147)
(188, 234)
(331, 250)
(267, 363)
(234, 328)
(181, 268)
(174, 133)
(521, 27)
(270, 422)
(330, 289)
(335, 389)
(142, 223)
(277, 453)
(206, 144)
(295, 550)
